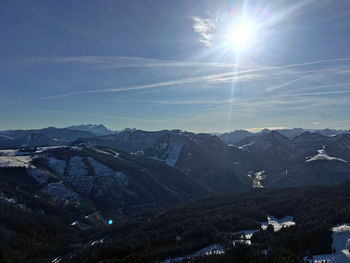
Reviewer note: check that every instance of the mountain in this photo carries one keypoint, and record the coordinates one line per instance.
(291, 133)
(309, 158)
(269, 150)
(263, 159)
(97, 129)
(332, 132)
(235, 136)
(26, 140)
(129, 140)
(109, 180)
(61, 187)
(239, 135)
(259, 159)
(203, 157)
(40, 137)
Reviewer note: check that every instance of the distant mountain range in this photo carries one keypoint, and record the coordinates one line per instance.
(239, 135)
(97, 129)
(115, 170)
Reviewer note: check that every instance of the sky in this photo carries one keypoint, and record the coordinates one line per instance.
(175, 64)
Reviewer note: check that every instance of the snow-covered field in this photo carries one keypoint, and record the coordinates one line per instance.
(15, 161)
(278, 224)
(341, 243)
(246, 235)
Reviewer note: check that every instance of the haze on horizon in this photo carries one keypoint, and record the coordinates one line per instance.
(202, 66)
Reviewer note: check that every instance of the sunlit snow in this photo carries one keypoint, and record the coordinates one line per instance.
(341, 243)
(15, 161)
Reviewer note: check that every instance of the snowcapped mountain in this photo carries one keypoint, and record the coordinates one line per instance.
(97, 129)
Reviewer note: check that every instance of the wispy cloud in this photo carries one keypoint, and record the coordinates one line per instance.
(205, 28)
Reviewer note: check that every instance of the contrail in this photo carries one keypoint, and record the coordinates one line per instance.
(182, 81)
(283, 85)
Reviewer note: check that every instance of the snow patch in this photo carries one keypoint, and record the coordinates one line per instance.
(97, 242)
(172, 149)
(322, 155)
(245, 147)
(214, 249)
(246, 234)
(244, 237)
(260, 175)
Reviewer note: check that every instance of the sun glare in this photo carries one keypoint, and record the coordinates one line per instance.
(241, 36)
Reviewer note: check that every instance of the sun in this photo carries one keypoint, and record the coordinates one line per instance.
(241, 36)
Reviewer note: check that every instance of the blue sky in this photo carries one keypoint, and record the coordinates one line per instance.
(169, 65)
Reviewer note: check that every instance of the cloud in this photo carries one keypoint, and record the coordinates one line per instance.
(205, 28)
(269, 128)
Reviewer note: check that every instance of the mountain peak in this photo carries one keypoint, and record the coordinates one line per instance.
(97, 129)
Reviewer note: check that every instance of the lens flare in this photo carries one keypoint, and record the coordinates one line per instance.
(241, 36)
